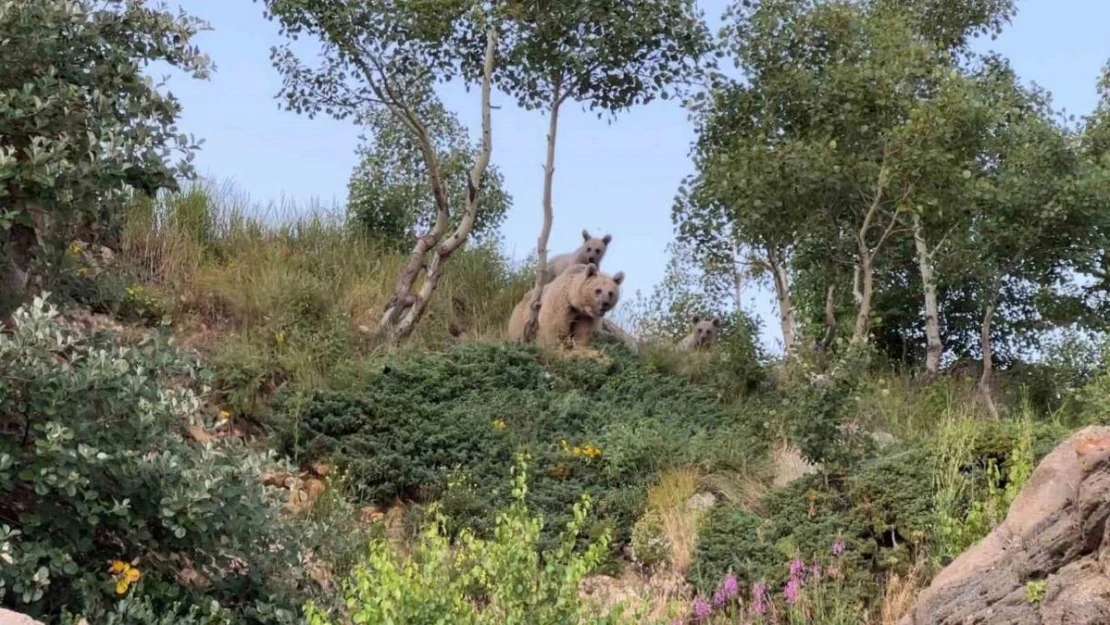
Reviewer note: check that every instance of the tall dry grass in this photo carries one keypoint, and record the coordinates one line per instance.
(283, 294)
(215, 255)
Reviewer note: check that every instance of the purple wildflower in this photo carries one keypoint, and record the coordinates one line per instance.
(838, 547)
(793, 587)
(730, 587)
(797, 568)
(701, 608)
(759, 598)
(816, 571)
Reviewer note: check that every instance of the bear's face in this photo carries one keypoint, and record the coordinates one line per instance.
(593, 249)
(598, 293)
(705, 330)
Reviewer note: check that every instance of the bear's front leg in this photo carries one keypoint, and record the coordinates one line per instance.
(582, 331)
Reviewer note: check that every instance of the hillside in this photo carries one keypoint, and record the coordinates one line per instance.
(909, 475)
(212, 412)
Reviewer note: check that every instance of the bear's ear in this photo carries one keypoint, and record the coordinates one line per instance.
(576, 268)
(716, 322)
(619, 277)
(697, 319)
(585, 235)
(605, 239)
(591, 270)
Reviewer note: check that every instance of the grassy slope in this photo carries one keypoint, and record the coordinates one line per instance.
(279, 305)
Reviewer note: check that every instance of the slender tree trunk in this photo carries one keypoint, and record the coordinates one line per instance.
(830, 319)
(865, 265)
(416, 304)
(787, 318)
(865, 288)
(933, 345)
(531, 325)
(986, 379)
(738, 278)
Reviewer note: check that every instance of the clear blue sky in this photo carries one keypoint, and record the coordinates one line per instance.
(618, 179)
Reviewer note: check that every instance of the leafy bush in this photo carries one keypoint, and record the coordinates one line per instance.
(883, 512)
(426, 417)
(731, 542)
(502, 580)
(93, 470)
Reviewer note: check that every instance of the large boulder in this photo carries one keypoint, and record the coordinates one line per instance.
(1048, 563)
(7, 617)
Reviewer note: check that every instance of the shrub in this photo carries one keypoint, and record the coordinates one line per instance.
(593, 427)
(731, 541)
(501, 580)
(93, 470)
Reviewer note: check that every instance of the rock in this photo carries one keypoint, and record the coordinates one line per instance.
(198, 434)
(371, 514)
(7, 617)
(1056, 533)
(883, 439)
(701, 502)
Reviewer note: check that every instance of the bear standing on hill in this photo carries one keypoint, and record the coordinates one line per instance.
(703, 335)
(571, 307)
(591, 252)
(574, 303)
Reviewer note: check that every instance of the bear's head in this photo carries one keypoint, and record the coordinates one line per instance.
(593, 248)
(594, 293)
(705, 330)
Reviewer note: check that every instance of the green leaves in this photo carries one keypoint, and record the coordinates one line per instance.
(389, 195)
(110, 478)
(609, 55)
(79, 122)
(477, 581)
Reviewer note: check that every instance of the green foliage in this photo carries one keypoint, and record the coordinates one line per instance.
(649, 542)
(109, 477)
(389, 195)
(592, 427)
(818, 407)
(80, 124)
(505, 579)
(979, 471)
(732, 541)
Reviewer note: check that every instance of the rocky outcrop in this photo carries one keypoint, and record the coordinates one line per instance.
(7, 617)
(1048, 563)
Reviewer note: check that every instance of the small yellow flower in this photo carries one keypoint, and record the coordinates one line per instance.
(499, 424)
(563, 444)
(125, 575)
(577, 450)
(224, 415)
(82, 272)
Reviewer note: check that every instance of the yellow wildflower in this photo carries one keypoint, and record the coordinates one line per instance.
(499, 424)
(224, 415)
(563, 444)
(577, 450)
(125, 575)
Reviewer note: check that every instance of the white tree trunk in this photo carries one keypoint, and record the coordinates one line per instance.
(787, 316)
(545, 232)
(933, 345)
(416, 304)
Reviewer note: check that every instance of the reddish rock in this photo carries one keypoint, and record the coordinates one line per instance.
(1056, 533)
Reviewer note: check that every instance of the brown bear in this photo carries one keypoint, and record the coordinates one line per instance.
(572, 305)
(591, 251)
(703, 335)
